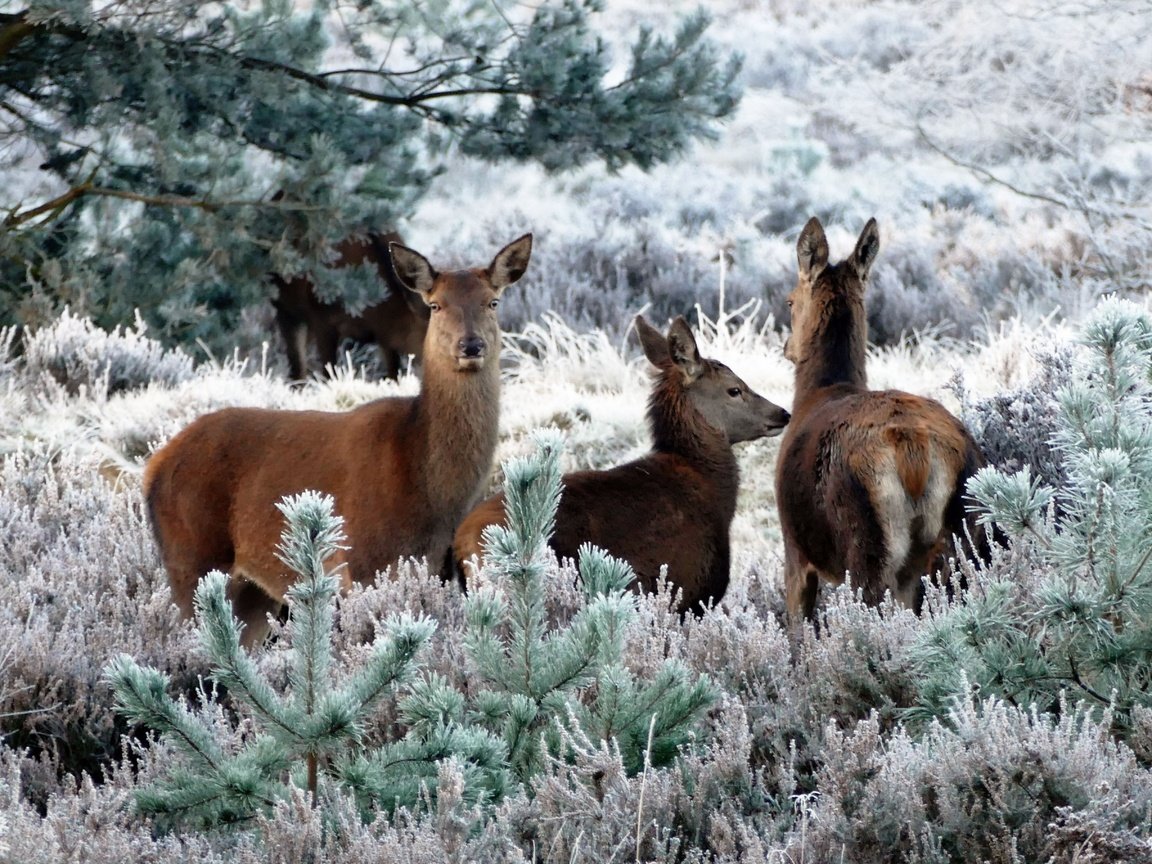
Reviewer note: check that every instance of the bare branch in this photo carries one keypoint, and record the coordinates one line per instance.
(981, 171)
(19, 217)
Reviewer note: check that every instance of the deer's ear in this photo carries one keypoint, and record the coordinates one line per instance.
(812, 249)
(682, 348)
(653, 342)
(866, 248)
(412, 269)
(510, 262)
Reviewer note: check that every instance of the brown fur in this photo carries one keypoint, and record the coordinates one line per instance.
(396, 324)
(675, 505)
(402, 470)
(867, 481)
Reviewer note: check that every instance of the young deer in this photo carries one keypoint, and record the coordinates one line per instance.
(396, 324)
(867, 481)
(675, 505)
(403, 471)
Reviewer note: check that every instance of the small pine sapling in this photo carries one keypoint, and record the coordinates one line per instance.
(532, 675)
(309, 737)
(1069, 606)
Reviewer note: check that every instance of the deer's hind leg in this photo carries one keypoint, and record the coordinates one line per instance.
(187, 556)
(868, 533)
(295, 334)
(251, 606)
(801, 584)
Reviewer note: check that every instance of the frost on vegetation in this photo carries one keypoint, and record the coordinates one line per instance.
(1016, 428)
(552, 347)
(82, 582)
(9, 360)
(801, 757)
(76, 355)
(987, 782)
(1034, 210)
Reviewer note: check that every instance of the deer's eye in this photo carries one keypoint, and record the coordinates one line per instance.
(435, 307)
(734, 392)
(493, 304)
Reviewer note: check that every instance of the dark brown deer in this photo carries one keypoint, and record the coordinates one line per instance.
(403, 471)
(675, 505)
(867, 481)
(396, 324)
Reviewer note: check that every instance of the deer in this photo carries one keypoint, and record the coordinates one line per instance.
(403, 470)
(675, 505)
(868, 482)
(396, 324)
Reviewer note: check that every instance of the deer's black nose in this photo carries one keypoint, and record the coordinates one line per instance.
(472, 346)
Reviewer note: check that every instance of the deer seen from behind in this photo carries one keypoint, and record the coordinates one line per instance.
(403, 470)
(396, 324)
(867, 481)
(675, 505)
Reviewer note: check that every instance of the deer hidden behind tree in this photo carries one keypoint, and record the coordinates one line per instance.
(396, 324)
(675, 505)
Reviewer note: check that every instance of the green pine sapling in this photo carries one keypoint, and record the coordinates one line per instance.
(1069, 607)
(533, 676)
(307, 736)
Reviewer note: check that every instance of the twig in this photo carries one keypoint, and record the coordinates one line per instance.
(643, 783)
(985, 173)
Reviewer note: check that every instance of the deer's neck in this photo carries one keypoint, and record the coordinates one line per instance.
(678, 428)
(457, 417)
(837, 353)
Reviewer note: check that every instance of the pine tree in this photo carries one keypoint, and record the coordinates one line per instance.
(308, 737)
(533, 677)
(1069, 607)
(185, 150)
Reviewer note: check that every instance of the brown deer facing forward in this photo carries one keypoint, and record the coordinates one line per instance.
(867, 481)
(396, 324)
(403, 471)
(675, 505)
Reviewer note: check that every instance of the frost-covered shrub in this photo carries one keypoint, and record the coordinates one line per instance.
(990, 782)
(906, 295)
(8, 357)
(76, 354)
(1016, 428)
(785, 204)
(81, 583)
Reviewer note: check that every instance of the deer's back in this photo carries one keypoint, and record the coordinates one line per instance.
(861, 467)
(217, 482)
(658, 510)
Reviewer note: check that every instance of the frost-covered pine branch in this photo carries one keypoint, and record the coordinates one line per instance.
(1075, 611)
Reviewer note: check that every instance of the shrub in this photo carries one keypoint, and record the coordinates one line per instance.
(987, 782)
(76, 591)
(77, 354)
